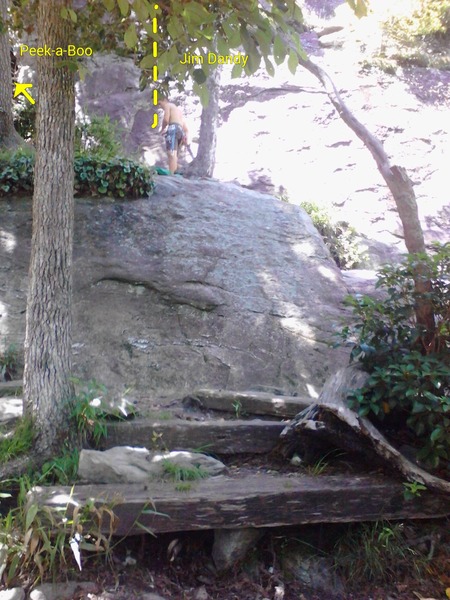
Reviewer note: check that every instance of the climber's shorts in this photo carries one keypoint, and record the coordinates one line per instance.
(174, 136)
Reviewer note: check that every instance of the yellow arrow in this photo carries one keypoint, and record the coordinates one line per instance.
(21, 88)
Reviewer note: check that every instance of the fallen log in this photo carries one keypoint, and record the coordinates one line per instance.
(248, 403)
(330, 419)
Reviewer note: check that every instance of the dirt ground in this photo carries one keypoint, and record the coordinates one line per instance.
(178, 567)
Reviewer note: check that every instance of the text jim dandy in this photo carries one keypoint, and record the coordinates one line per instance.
(213, 58)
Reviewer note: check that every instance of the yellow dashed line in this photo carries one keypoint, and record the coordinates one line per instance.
(155, 71)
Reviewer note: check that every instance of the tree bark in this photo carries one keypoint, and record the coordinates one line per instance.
(9, 138)
(47, 387)
(402, 191)
(205, 161)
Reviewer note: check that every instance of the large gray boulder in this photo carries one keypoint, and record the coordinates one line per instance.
(125, 464)
(202, 284)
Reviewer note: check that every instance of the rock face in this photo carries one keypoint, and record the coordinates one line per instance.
(281, 135)
(201, 285)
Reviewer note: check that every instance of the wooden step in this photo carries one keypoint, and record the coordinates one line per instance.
(250, 403)
(11, 388)
(248, 500)
(218, 437)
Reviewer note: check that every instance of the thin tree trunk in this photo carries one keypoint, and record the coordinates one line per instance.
(9, 138)
(402, 191)
(47, 387)
(205, 161)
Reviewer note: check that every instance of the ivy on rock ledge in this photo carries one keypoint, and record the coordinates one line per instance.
(94, 176)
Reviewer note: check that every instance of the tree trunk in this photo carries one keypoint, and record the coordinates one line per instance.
(402, 191)
(205, 161)
(9, 138)
(47, 387)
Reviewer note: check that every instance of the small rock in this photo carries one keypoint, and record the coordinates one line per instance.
(13, 594)
(316, 572)
(62, 591)
(37, 595)
(201, 594)
(231, 545)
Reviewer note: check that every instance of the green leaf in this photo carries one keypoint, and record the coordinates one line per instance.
(359, 7)
(269, 67)
(236, 71)
(141, 9)
(109, 4)
(292, 62)
(147, 62)
(437, 434)
(222, 46)
(175, 29)
(73, 15)
(30, 516)
(199, 76)
(232, 33)
(279, 50)
(124, 7)
(130, 37)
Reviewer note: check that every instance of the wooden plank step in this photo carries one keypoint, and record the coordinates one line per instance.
(252, 403)
(218, 437)
(11, 388)
(250, 500)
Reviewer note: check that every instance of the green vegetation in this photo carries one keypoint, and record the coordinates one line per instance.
(419, 36)
(428, 18)
(114, 177)
(16, 442)
(97, 137)
(9, 363)
(180, 473)
(37, 538)
(377, 552)
(237, 407)
(16, 172)
(100, 167)
(409, 384)
(339, 237)
(94, 176)
(94, 136)
(412, 489)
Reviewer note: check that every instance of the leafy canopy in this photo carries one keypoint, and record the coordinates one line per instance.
(265, 31)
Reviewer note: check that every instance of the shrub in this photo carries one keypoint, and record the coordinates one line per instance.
(427, 18)
(9, 363)
(95, 135)
(25, 119)
(338, 236)
(37, 540)
(409, 384)
(98, 137)
(16, 172)
(114, 177)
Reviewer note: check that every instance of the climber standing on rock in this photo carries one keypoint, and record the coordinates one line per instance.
(175, 131)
